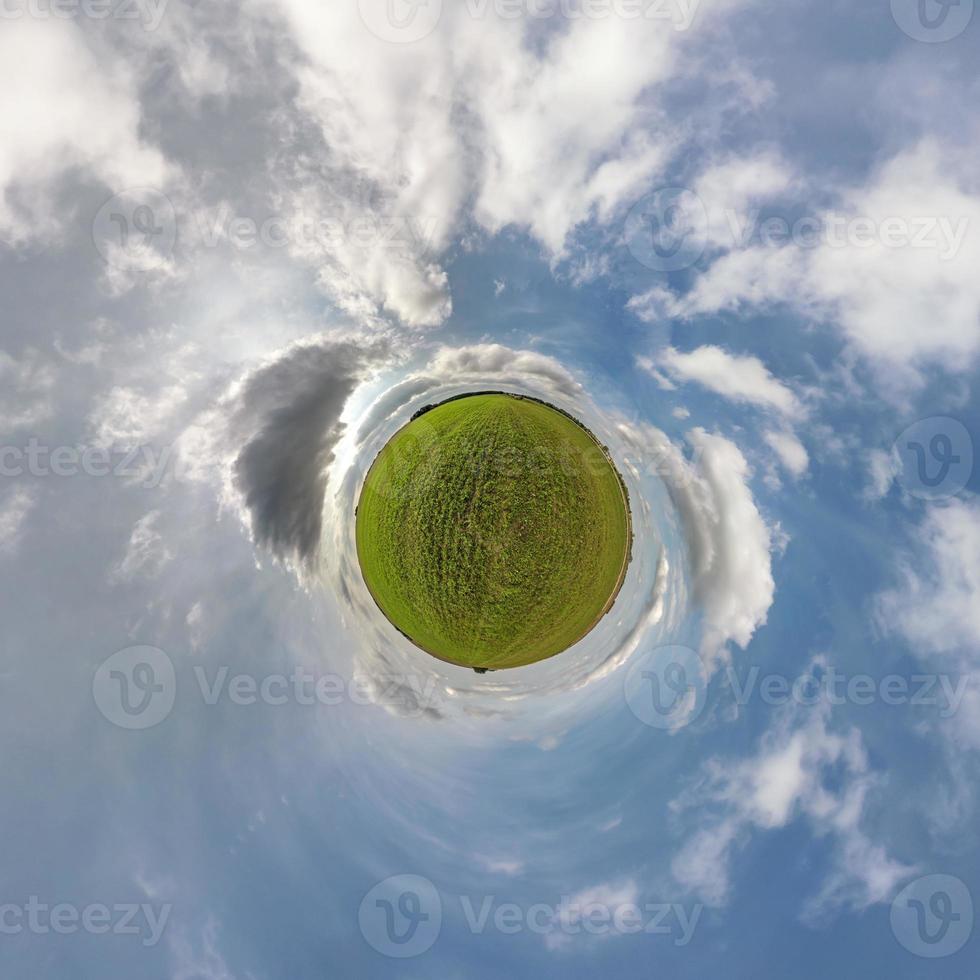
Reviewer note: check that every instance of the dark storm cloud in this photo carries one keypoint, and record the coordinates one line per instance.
(288, 416)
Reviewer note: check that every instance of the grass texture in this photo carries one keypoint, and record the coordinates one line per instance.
(493, 531)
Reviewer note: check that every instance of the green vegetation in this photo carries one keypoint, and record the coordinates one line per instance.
(493, 531)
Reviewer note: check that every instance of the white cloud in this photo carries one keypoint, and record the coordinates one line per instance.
(733, 574)
(504, 866)
(15, 507)
(127, 417)
(729, 190)
(791, 452)
(489, 122)
(454, 363)
(883, 467)
(26, 387)
(146, 552)
(905, 295)
(729, 543)
(607, 896)
(63, 106)
(802, 769)
(739, 378)
(936, 607)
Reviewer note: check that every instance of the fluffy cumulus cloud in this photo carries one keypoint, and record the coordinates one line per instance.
(791, 452)
(729, 543)
(936, 606)
(802, 769)
(495, 360)
(64, 105)
(890, 262)
(487, 122)
(739, 378)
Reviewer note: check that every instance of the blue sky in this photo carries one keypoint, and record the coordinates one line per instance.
(241, 243)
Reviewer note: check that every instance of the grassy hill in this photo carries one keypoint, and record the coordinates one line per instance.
(493, 531)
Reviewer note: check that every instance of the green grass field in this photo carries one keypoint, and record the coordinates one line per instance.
(493, 531)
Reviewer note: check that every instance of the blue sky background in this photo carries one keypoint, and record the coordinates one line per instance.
(752, 399)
